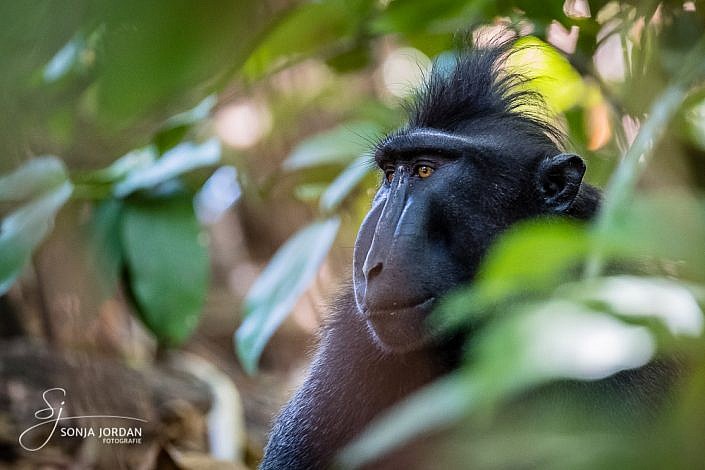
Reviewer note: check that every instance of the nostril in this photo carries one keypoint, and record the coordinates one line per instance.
(374, 271)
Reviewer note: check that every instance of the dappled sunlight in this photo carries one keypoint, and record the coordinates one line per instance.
(403, 70)
(243, 124)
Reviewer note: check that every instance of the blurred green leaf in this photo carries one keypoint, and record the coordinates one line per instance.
(443, 401)
(344, 184)
(528, 258)
(536, 256)
(64, 60)
(557, 339)
(543, 12)
(177, 126)
(155, 53)
(414, 16)
(695, 120)
(671, 302)
(131, 162)
(533, 253)
(194, 115)
(639, 232)
(337, 146)
(532, 345)
(329, 25)
(280, 285)
(103, 234)
(309, 192)
(622, 185)
(178, 160)
(34, 177)
(22, 230)
(351, 60)
(218, 194)
(170, 137)
(46, 26)
(551, 74)
(167, 265)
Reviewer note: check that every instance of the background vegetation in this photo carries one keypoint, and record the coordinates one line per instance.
(157, 154)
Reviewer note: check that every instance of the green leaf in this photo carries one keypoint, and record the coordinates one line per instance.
(544, 12)
(639, 232)
(132, 162)
(316, 27)
(351, 60)
(177, 126)
(167, 265)
(532, 345)
(443, 401)
(103, 234)
(620, 190)
(309, 192)
(170, 137)
(558, 338)
(194, 115)
(66, 59)
(34, 177)
(551, 74)
(172, 55)
(280, 285)
(337, 146)
(534, 251)
(673, 303)
(529, 257)
(343, 184)
(23, 229)
(178, 160)
(536, 256)
(414, 16)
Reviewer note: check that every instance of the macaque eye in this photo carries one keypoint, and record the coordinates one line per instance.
(389, 174)
(424, 171)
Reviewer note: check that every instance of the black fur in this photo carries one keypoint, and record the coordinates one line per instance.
(479, 89)
(349, 382)
(494, 162)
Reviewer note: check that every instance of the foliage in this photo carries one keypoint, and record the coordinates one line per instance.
(125, 97)
(276, 291)
(44, 180)
(164, 255)
(154, 236)
(557, 78)
(100, 81)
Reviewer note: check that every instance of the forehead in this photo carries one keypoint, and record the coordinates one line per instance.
(409, 144)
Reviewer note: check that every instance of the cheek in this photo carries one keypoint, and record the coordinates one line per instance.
(463, 223)
(472, 200)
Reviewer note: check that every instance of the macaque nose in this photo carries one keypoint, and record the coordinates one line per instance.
(374, 271)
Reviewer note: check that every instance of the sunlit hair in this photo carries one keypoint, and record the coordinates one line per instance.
(478, 86)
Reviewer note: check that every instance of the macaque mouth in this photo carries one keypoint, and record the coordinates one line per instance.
(402, 328)
(398, 310)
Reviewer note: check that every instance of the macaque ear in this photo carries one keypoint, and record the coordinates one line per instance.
(559, 179)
